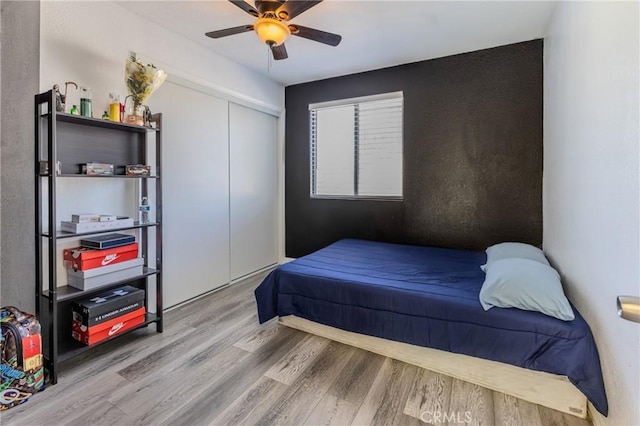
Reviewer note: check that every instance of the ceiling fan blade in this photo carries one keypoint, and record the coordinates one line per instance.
(292, 8)
(315, 35)
(246, 7)
(229, 31)
(279, 52)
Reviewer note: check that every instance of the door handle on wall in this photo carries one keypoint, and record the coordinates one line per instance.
(629, 308)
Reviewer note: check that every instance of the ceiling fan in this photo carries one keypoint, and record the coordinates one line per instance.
(271, 25)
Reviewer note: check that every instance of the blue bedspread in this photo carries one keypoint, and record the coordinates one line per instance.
(428, 297)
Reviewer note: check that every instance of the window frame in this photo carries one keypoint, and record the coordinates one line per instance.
(354, 101)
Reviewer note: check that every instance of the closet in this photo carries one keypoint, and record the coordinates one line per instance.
(253, 190)
(220, 190)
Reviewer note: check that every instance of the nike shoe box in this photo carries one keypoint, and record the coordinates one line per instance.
(82, 258)
(99, 277)
(87, 321)
(99, 332)
(107, 305)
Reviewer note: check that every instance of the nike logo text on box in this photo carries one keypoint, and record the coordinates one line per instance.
(115, 328)
(109, 258)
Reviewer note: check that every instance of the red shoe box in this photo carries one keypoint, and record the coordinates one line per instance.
(102, 331)
(82, 258)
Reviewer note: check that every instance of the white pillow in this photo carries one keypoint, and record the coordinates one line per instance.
(525, 284)
(514, 251)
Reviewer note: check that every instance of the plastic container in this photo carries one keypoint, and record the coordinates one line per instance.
(85, 102)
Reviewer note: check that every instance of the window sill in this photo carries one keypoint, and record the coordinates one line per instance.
(356, 197)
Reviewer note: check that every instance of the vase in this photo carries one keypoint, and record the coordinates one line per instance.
(136, 116)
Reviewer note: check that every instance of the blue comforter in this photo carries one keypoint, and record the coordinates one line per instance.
(428, 297)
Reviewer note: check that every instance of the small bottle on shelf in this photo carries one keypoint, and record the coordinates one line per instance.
(145, 208)
(85, 102)
(105, 116)
(114, 107)
(74, 110)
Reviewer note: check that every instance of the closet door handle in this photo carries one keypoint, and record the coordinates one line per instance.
(629, 308)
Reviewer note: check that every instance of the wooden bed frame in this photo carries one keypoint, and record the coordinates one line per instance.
(549, 390)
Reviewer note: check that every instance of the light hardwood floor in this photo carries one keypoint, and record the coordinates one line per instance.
(215, 364)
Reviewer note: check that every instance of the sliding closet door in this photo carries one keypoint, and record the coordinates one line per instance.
(253, 190)
(195, 181)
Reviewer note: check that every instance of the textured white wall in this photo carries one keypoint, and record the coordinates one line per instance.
(591, 188)
(88, 42)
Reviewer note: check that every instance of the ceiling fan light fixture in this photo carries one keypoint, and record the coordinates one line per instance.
(271, 30)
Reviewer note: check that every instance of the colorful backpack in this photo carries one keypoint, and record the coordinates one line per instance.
(21, 369)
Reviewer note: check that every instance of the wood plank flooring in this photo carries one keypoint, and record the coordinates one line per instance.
(214, 364)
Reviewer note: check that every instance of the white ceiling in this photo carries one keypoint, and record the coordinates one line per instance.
(375, 34)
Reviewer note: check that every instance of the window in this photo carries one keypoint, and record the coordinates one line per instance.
(356, 147)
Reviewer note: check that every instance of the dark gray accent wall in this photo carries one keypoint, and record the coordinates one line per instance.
(20, 70)
(472, 154)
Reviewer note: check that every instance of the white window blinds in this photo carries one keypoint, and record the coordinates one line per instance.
(356, 147)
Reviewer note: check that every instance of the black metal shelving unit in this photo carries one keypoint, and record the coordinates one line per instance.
(74, 140)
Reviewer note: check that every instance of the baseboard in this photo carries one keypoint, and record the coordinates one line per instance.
(253, 274)
(194, 298)
(222, 287)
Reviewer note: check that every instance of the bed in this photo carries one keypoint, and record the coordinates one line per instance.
(420, 305)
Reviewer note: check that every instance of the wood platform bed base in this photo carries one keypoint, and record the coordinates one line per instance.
(538, 387)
